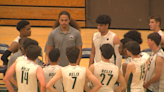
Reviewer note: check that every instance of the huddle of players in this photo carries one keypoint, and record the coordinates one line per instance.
(75, 78)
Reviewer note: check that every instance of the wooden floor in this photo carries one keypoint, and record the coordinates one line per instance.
(40, 34)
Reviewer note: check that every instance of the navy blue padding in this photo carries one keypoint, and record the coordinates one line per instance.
(146, 50)
(3, 48)
(149, 51)
(3, 70)
(86, 52)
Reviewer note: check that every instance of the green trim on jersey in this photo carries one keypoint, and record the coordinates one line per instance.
(129, 82)
(114, 58)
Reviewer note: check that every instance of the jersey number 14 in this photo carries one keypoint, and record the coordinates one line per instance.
(24, 77)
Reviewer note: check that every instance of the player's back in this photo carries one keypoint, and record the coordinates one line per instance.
(107, 74)
(26, 75)
(49, 72)
(136, 79)
(73, 78)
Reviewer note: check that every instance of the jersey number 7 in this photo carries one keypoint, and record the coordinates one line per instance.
(74, 82)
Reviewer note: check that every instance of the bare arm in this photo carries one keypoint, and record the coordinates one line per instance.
(158, 70)
(91, 68)
(162, 41)
(94, 80)
(116, 42)
(80, 54)
(124, 66)
(122, 82)
(56, 77)
(10, 72)
(13, 81)
(91, 60)
(13, 47)
(40, 76)
(47, 54)
(129, 69)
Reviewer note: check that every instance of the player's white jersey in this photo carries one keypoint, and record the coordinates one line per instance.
(136, 79)
(99, 40)
(158, 85)
(73, 78)
(107, 74)
(26, 75)
(160, 33)
(49, 72)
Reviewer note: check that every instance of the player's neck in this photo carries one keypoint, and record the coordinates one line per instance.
(106, 60)
(104, 33)
(136, 56)
(53, 63)
(157, 29)
(125, 56)
(30, 59)
(72, 64)
(155, 49)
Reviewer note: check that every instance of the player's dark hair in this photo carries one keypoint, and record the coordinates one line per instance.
(156, 17)
(103, 19)
(33, 51)
(133, 47)
(28, 41)
(124, 41)
(134, 35)
(54, 54)
(21, 24)
(107, 51)
(155, 37)
(72, 53)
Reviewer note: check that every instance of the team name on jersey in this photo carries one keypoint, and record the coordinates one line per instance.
(74, 74)
(25, 69)
(52, 74)
(106, 71)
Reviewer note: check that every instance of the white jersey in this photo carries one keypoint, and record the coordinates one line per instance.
(99, 40)
(17, 39)
(136, 79)
(129, 59)
(73, 78)
(107, 74)
(160, 33)
(26, 75)
(158, 85)
(49, 72)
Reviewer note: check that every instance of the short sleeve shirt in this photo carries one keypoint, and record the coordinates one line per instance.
(60, 40)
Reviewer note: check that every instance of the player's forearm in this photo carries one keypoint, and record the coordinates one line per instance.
(79, 58)
(95, 88)
(91, 59)
(118, 56)
(51, 89)
(120, 88)
(13, 81)
(43, 88)
(9, 86)
(153, 79)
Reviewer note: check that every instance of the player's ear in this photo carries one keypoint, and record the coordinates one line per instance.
(66, 58)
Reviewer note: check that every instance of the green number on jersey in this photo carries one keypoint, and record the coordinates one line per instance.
(24, 77)
(102, 74)
(142, 73)
(74, 82)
